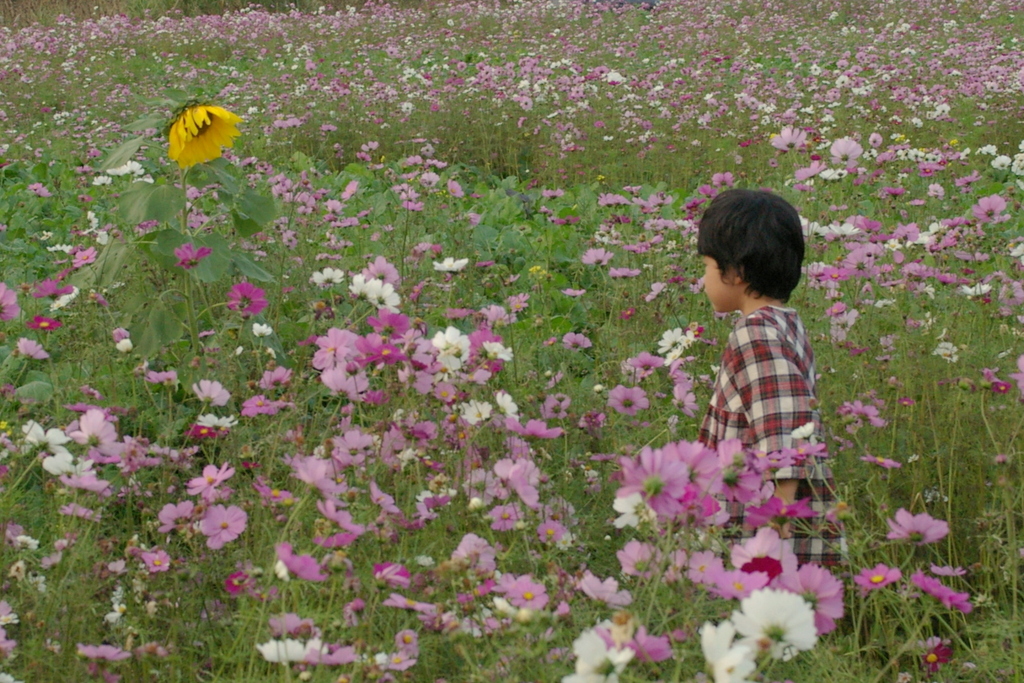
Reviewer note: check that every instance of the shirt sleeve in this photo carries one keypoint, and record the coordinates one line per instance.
(774, 394)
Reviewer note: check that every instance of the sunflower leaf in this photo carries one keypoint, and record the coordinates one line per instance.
(123, 153)
(256, 207)
(246, 266)
(157, 121)
(161, 329)
(149, 202)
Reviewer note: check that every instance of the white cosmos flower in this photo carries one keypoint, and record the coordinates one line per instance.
(62, 462)
(260, 330)
(132, 167)
(215, 422)
(505, 403)
(452, 347)
(1001, 162)
(779, 623)
(328, 277)
(595, 661)
(450, 265)
(376, 291)
(979, 289)
(474, 412)
(729, 662)
(289, 650)
(946, 350)
(52, 440)
(632, 510)
(496, 351)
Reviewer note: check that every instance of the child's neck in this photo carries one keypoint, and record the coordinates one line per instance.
(752, 302)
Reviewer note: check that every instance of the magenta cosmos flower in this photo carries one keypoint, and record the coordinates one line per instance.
(944, 594)
(189, 257)
(41, 322)
(247, 299)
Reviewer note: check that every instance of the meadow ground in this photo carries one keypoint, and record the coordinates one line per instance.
(406, 384)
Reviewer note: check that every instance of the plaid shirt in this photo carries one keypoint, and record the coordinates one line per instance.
(764, 391)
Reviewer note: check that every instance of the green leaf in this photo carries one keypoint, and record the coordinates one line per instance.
(245, 227)
(35, 391)
(105, 270)
(216, 265)
(148, 121)
(256, 207)
(161, 246)
(149, 202)
(160, 329)
(122, 154)
(246, 266)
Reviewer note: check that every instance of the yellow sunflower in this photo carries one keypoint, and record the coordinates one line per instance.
(199, 132)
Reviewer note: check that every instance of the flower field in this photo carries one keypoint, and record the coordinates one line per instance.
(370, 343)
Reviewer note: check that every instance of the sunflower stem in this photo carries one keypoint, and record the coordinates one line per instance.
(193, 325)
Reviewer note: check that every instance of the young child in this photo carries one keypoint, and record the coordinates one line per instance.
(753, 247)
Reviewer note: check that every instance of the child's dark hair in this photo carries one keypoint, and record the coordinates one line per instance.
(756, 235)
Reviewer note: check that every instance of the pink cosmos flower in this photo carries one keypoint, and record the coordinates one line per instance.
(1018, 377)
(919, 529)
(606, 591)
(990, 209)
(212, 392)
(276, 378)
(9, 308)
(303, 566)
(168, 378)
(734, 583)
(523, 591)
(789, 139)
(107, 653)
(821, 590)
(222, 525)
(845, 151)
(32, 349)
(394, 575)
(775, 511)
(189, 257)
(944, 594)
(247, 299)
(505, 517)
(597, 257)
(764, 552)
(638, 559)
(659, 476)
(551, 531)
(885, 463)
(206, 485)
(650, 648)
(94, 430)
(535, 428)
(169, 515)
(156, 561)
(879, 576)
(477, 551)
(628, 400)
(83, 257)
(575, 341)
